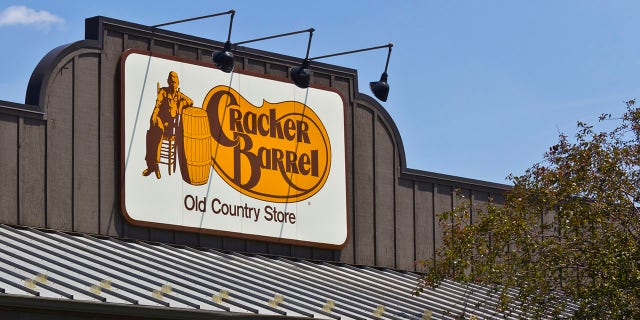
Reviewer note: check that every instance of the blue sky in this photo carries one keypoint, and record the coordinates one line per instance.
(479, 89)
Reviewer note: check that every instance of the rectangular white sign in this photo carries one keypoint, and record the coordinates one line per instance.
(231, 153)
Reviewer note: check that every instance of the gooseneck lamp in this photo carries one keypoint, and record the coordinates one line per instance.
(380, 88)
(224, 59)
(301, 75)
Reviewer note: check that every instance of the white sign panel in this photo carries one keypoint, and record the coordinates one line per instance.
(231, 153)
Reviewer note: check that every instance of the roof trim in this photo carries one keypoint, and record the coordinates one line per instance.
(421, 175)
(40, 78)
(34, 304)
(21, 110)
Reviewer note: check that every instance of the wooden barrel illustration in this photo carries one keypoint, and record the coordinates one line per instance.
(196, 146)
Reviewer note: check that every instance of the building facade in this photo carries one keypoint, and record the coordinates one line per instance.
(62, 161)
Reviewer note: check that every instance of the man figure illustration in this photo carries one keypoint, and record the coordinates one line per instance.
(163, 122)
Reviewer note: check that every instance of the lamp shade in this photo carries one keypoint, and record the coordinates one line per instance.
(224, 59)
(301, 75)
(380, 88)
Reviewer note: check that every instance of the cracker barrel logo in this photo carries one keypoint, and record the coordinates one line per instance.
(276, 152)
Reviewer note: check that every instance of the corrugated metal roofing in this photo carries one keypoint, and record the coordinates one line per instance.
(60, 265)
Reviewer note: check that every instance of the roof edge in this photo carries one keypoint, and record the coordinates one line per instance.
(21, 110)
(30, 305)
(421, 175)
(38, 83)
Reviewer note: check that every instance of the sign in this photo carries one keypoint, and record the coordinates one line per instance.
(233, 154)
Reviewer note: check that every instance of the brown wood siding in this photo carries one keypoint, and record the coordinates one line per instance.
(279, 249)
(161, 46)
(111, 220)
(62, 172)
(9, 168)
(424, 222)
(442, 202)
(59, 144)
(187, 52)
(364, 236)
(480, 200)
(31, 173)
(256, 66)
(86, 143)
(322, 79)
(205, 55)
(404, 222)
(343, 85)
(279, 71)
(384, 199)
(257, 246)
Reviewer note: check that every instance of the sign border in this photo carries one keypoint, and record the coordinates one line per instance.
(237, 235)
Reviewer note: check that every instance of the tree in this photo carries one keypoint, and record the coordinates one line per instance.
(567, 235)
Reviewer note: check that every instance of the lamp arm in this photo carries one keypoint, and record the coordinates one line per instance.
(310, 30)
(306, 56)
(386, 66)
(354, 51)
(232, 12)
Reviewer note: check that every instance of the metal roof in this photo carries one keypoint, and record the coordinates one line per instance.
(71, 266)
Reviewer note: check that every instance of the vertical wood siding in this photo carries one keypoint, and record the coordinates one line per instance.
(424, 221)
(363, 212)
(404, 225)
(9, 168)
(111, 221)
(86, 143)
(31, 173)
(384, 197)
(59, 144)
